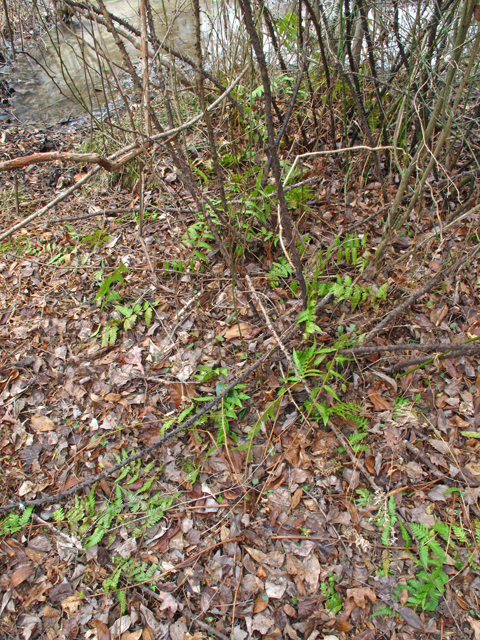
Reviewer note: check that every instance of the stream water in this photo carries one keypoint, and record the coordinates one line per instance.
(65, 76)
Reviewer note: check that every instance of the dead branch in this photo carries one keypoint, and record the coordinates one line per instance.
(459, 350)
(69, 156)
(437, 347)
(421, 292)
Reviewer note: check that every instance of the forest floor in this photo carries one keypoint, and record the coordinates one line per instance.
(340, 505)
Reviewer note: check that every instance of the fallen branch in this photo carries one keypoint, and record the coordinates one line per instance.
(50, 205)
(106, 163)
(117, 154)
(438, 347)
(316, 154)
(70, 156)
(113, 212)
(459, 350)
(287, 334)
(416, 296)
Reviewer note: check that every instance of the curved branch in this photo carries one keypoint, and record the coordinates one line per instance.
(69, 156)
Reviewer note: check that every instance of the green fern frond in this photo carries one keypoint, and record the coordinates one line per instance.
(424, 555)
(112, 335)
(460, 533)
(386, 534)
(405, 535)
(477, 531)
(437, 549)
(420, 531)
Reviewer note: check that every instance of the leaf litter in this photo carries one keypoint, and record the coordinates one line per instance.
(258, 521)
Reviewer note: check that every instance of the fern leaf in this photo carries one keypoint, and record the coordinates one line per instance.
(437, 549)
(444, 532)
(386, 533)
(424, 556)
(460, 533)
(105, 336)
(112, 335)
(405, 535)
(148, 316)
(420, 531)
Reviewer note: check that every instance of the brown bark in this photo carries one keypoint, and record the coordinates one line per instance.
(68, 156)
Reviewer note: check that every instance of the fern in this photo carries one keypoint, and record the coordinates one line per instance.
(122, 599)
(382, 292)
(59, 515)
(355, 438)
(386, 534)
(111, 582)
(14, 522)
(424, 555)
(106, 520)
(386, 561)
(77, 512)
(460, 533)
(280, 269)
(105, 292)
(109, 334)
(148, 316)
(420, 531)
(405, 535)
(444, 532)
(305, 362)
(477, 531)
(130, 322)
(91, 500)
(437, 549)
(384, 611)
(308, 317)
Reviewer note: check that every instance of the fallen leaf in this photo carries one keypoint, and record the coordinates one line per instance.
(20, 575)
(103, 632)
(260, 604)
(120, 625)
(262, 623)
(379, 403)
(276, 588)
(475, 624)
(437, 494)
(135, 358)
(181, 393)
(234, 332)
(411, 618)
(71, 603)
(359, 595)
(26, 487)
(414, 470)
(297, 496)
(42, 423)
(312, 572)
(131, 635)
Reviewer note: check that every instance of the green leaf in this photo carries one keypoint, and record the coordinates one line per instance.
(405, 535)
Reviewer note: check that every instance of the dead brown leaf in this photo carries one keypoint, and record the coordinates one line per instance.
(379, 403)
(103, 632)
(20, 575)
(241, 328)
(260, 604)
(42, 423)
(360, 594)
(181, 393)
